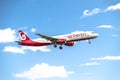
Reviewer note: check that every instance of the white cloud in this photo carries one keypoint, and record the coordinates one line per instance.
(34, 49)
(113, 7)
(98, 10)
(116, 35)
(33, 30)
(90, 64)
(7, 35)
(22, 50)
(13, 49)
(44, 71)
(107, 58)
(90, 13)
(105, 26)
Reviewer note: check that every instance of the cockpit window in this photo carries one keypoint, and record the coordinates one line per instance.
(93, 32)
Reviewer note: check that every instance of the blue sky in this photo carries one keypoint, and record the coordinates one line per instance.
(97, 61)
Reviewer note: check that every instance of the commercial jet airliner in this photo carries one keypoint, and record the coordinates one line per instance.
(67, 39)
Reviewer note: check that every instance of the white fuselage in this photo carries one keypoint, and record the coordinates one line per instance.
(76, 36)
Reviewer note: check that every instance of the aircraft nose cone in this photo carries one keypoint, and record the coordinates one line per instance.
(96, 35)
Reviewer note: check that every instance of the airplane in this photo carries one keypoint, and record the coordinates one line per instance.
(67, 39)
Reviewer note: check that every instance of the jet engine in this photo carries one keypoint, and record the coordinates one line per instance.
(61, 41)
(70, 43)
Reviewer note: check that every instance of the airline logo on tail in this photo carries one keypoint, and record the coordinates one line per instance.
(23, 36)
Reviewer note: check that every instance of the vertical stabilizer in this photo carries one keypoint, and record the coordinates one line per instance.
(23, 36)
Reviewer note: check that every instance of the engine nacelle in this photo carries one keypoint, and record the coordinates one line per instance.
(61, 41)
(71, 43)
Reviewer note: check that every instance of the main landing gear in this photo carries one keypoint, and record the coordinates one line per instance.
(55, 45)
(60, 46)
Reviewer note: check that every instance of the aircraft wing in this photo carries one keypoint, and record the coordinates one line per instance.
(48, 38)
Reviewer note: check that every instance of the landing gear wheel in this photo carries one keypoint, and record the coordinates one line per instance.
(89, 42)
(55, 46)
(61, 47)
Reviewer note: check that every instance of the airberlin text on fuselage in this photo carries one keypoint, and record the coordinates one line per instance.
(76, 35)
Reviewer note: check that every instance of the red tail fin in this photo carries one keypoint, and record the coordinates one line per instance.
(23, 36)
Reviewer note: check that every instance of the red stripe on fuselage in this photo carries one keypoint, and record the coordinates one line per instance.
(34, 43)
